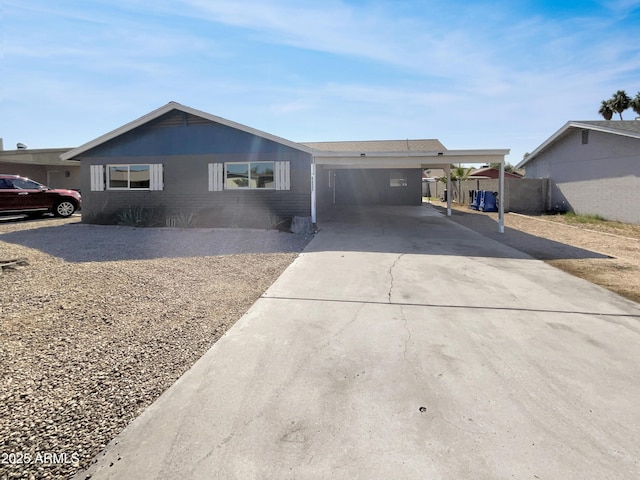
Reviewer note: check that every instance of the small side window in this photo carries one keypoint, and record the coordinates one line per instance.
(397, 179)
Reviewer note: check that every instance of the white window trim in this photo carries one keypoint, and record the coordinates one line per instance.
(218, 176)
(248, 163)
(155, 176)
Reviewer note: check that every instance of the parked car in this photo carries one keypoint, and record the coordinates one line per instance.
(22, 195)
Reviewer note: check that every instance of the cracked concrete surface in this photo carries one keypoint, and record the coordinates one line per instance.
(356, 364)
(393, 265)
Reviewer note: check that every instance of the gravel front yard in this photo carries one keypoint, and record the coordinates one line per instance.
(104, 319)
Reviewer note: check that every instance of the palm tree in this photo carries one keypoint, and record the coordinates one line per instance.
(635, 104)
(620, 102)
(606, 110)
(459, 174)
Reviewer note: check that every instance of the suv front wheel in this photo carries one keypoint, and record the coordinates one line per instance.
(64, 208)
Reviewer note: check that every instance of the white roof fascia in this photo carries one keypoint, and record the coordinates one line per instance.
(411, 158)
(567, 126)
(600, 128)
(177, 106)
(544, 145)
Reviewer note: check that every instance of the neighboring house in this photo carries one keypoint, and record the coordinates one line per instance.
(593, 167)
(178, 160)
(490, 172)
(42, 165)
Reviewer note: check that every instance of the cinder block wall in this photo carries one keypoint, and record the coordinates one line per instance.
(523, 195)
(611, 198)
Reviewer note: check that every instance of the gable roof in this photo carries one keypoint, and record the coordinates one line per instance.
(72, 154)
(627, 128)
(367, 146)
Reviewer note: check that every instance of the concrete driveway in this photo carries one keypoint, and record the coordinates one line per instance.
(401, 345)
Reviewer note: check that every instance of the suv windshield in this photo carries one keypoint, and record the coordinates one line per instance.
(24, 184)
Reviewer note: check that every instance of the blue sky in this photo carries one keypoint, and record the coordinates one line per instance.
(474, 74)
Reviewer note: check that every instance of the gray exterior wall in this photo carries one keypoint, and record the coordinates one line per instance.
(368, 187)
(185, 150)
(601, 177)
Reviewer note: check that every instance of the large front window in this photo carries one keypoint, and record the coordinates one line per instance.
(128, 177)
(249, 175)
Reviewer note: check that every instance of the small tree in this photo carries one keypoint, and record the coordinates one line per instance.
(606, 110)
(459, 174)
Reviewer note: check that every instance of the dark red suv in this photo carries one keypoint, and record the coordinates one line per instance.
(21, 195)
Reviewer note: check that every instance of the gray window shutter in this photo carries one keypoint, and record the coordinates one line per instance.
(155, 171)
(216, 177)
(283, 175)
(97, 178)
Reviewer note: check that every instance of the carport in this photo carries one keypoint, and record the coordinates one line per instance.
(327, 165)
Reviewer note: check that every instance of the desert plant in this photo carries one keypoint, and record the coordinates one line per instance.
(139, 217)
(276, 222)
(184, 220)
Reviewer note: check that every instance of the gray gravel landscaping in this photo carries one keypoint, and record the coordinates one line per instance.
(104, 319)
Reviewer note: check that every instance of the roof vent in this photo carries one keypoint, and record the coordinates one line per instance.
(21, 146)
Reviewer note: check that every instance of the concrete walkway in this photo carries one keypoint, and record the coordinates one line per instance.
(401, 345)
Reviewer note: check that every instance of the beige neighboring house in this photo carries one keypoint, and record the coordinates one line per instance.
(42, 165)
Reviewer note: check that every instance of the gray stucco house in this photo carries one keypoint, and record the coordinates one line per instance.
(593, 167)
(177, 160)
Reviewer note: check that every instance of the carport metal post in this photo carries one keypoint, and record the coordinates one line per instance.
(313, 193)
(501, 199)
(448, 171)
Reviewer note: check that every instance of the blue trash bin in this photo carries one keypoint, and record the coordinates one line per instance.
(489, 202)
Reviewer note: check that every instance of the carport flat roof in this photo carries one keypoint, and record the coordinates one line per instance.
(41, 156)
(360, 146)
(408, 159)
